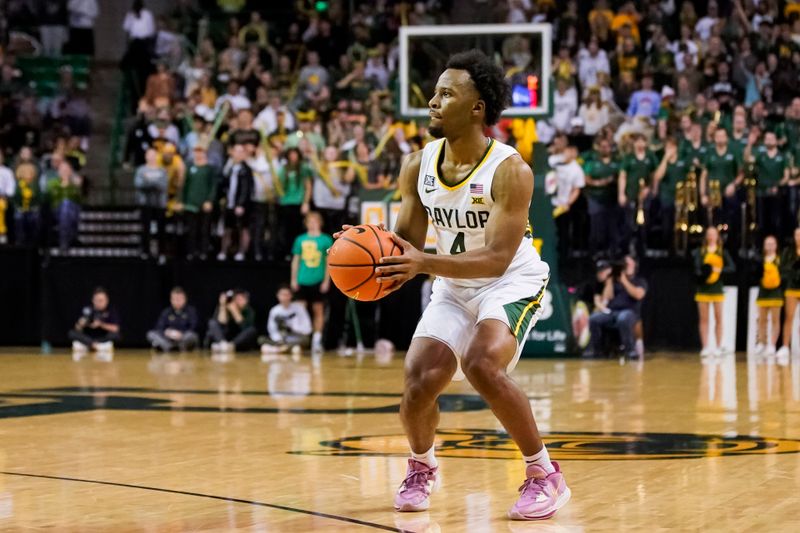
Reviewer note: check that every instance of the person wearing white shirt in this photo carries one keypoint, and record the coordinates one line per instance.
(569, 180)
(267, 120)
(593, 112)
(263, 205)
(237, 100)
(288, 325)
(82, 14)
(565, 106)
(706, 24)
(592, 60)
(139, 22)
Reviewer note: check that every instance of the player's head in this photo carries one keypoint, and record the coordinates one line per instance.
(471, 92)
(313, 222)
(177, 298)
(284, 295)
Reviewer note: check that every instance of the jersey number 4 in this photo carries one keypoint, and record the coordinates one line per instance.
(458, 244)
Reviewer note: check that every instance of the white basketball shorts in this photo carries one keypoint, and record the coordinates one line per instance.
(454, 311)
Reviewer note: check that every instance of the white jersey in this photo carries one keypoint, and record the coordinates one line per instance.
(459, 213)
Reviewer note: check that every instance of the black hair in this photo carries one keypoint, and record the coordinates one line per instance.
(489, 81)
(100, 290)
(283, 286)
(177, 289)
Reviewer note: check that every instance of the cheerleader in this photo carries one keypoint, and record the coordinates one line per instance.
(790, 261)
(710, 261)
(769, 300)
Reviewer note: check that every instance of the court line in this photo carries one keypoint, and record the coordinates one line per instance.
(215, 497)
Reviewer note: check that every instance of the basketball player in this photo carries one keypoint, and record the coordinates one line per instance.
(490, 280)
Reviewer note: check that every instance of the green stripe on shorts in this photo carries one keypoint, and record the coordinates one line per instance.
(521, 312)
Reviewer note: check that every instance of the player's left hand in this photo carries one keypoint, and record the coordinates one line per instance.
(398, 269)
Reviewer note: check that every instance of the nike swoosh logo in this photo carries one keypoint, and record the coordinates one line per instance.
(429, 190)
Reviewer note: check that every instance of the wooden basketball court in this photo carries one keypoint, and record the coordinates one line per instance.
(186, 444)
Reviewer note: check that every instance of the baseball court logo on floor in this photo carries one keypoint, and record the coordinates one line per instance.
(492, 444)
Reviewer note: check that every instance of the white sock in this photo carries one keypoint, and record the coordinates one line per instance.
(316, 337)
(428, 457)
(542, 458)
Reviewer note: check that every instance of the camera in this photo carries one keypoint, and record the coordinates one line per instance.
(229, 296)
(86, 313)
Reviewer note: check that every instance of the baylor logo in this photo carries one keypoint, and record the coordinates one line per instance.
(493, 444)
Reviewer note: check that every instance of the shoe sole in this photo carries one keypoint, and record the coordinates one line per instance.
(410, 508)
(560, 502)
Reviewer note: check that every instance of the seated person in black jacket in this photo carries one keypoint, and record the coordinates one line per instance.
(177, 325)
(235, 191)
(97, 328)
(232, 327)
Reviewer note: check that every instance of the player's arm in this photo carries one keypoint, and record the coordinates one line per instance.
(412, 221)
(512, 190)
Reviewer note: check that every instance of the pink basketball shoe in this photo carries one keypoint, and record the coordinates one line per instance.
(415, 491)
(541, 495)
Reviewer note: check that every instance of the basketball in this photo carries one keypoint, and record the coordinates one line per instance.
(353, 258)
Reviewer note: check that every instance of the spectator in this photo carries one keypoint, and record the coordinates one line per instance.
(592, 60)
(310, 277)
(177, 325)
(151, 182)
(53, 29)
(160, 88)
(233, 97)
(312, 83)
(288, 326)
(232, 326)
(619, 308)
(601, 170)
(296, 179)
(140, 26)
(593, 112)
(772, 170)
(98, 328)
(235, 192)
(635, 181)
(565, 106)
(27, 200)
(723, 165)
(245, 134)
(569, 180)
(331, 189)
(263, 203)
(706, 24)
(254, 31)
(64, 194)
(82, 15)
(671, 171)
(197, 197)
(7, 188)
(267, 120)
(645, 102)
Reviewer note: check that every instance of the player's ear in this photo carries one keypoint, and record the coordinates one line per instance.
(480, 106)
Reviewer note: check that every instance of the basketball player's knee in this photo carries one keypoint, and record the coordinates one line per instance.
(425, 386)
(481, 370)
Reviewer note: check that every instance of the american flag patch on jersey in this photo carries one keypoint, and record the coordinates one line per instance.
(476, 188)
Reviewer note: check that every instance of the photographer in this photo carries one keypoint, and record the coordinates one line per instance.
(177, 325)
(231, 328)
(617, 307)
(97, 328)
(289, 325)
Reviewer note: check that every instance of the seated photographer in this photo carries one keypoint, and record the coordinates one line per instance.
(618, 306)
(177, 325)
(231, 327)
(97, 328)
(289, 325)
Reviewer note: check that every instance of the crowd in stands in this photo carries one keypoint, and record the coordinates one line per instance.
(669, 116)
